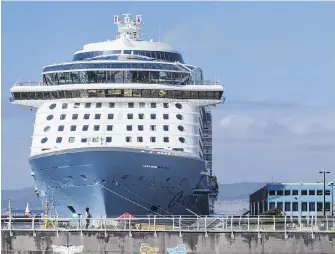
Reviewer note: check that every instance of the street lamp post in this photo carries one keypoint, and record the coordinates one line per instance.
(332, 204)
(324, 191)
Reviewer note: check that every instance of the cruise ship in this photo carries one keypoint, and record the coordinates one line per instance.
(124, 127)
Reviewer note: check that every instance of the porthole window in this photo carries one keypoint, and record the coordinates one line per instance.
(109, 127)
(87, 116)
(142, 105)
(179, 106)
(85, 127)
(73, 128)
(128, 139)
(99, 105)
(87, 105)
(59, 139)
(76, 105)
(130, 105)
(110, 116)
(179, 116)
(130, 116)
(62, 117)
(166, 105)
(129, 127)
(71, 139)
(64, 106)
(108, 139)
(181, 128)
(153, 139)
(60, 127)
(140, 127)
(43, 140)
(165, 116)
(166, 127)
(52, 106)
(153, 105)
(96, 127)
(140, 139)
(49, 117)
(140, 116)
(83, 140)
(97, 116)
(47, 128)
(111, 105)
(182, 140)
(166, 139)
(74, 116)
(153, 116)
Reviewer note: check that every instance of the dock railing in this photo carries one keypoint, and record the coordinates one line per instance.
(219, 224)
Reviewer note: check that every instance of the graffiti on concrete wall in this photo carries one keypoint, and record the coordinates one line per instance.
(63, 249)
(147, 249)
(179, 249)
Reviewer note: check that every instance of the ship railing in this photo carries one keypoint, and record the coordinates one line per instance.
(205, 224)
(28, 83)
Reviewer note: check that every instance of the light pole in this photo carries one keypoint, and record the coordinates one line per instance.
(324, 191)
(332, 204)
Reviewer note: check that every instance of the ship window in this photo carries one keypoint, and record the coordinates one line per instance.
(109, 127)
(142, 105)
(166, 139)
(62, 117)
(110, 116)
(60, 127)
(182, 140)
(166, 127)
(76, 105)
(83, 177)
(85, 127)
(43, 140)
(108, 139)
(96, 127)
(71, 139)
(153, 139)
(47, 128)
(129, 127)
(140, 116)
(59, 139)
(64, 106)
(140, 127)
(153, 127)
(98, 105)
(49, 117)
(87, 105)
(165, 105)
(95, 140)
(87, 116)
(130, 105)
(153, 105)
(140, 139)
(97, 116)
(130, 116)
(52, 106)
(153, 116)
(128, 139)
(181, 128)
(141, 177)
(73, 127)
(165, 116)
(178, 105)
(124, 177)
(111, 105)
(83, 140)
(178, 149)
(179, 116)
(74, 116)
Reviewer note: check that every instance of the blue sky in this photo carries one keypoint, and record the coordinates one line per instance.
(276, 61)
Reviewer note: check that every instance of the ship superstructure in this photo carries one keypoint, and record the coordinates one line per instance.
(123, 127)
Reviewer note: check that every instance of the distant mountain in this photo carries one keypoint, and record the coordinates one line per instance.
(227, 192)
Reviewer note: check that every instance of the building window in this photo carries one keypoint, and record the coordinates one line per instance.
(272, 205)
(304, 206)
(280, 206)
(83, 140)
(62, 117)
(178, 105)
(153, 116)
(295, 207)
(166, 105)
(130, 105)
(153, 127)
(142, 105)
(272, 193)
(74, 116)
(181, 128)
(182, 140)
(287, 206)
(97, 116)
(319, 206)
(179, 117)
(166, 139)
(71, 139)
(312, 206)
(73, 128)
(109, 127)
(98, 105)
(64, 106)
(327, 206)
(304, 192)
(47, 128)
(44, 140)
(52, 106)
(88, 105)
(60, 127)
(108, 139)
(59, 139)
(140, 127)
(111, 105)
(140, 116)
(295, 192)
(327, 192)
(129, 127)
(319, 192)
(85, 127)
(130, 116)
(153, 139)
(140, 139)
(287, 192)
(166, 127)
(311, 192)
(96, 127)
(153, 105)
(87, 116)
(110, 116)
(165, 116)
(128, 139)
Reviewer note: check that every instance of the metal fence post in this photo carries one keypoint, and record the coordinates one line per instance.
(155, 233)
(231, 223)
(173, 222)
(33, 225)
(312, 221)
(248, 223)
(10, 225)
(285, 226)
(129, 228)
(206, 234)
(105, 226)
(258, 227)
(327, 228)
(274, 223)
(180, 235)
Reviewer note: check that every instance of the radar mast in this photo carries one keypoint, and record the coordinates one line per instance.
(129, 29)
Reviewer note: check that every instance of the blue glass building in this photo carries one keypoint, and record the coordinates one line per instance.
(294, 199)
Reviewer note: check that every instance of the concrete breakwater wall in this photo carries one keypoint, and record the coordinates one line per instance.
(165, 242)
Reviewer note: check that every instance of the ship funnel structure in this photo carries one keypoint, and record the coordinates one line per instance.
(129, 29)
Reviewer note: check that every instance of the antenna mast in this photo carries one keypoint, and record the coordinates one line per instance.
(129, 29)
